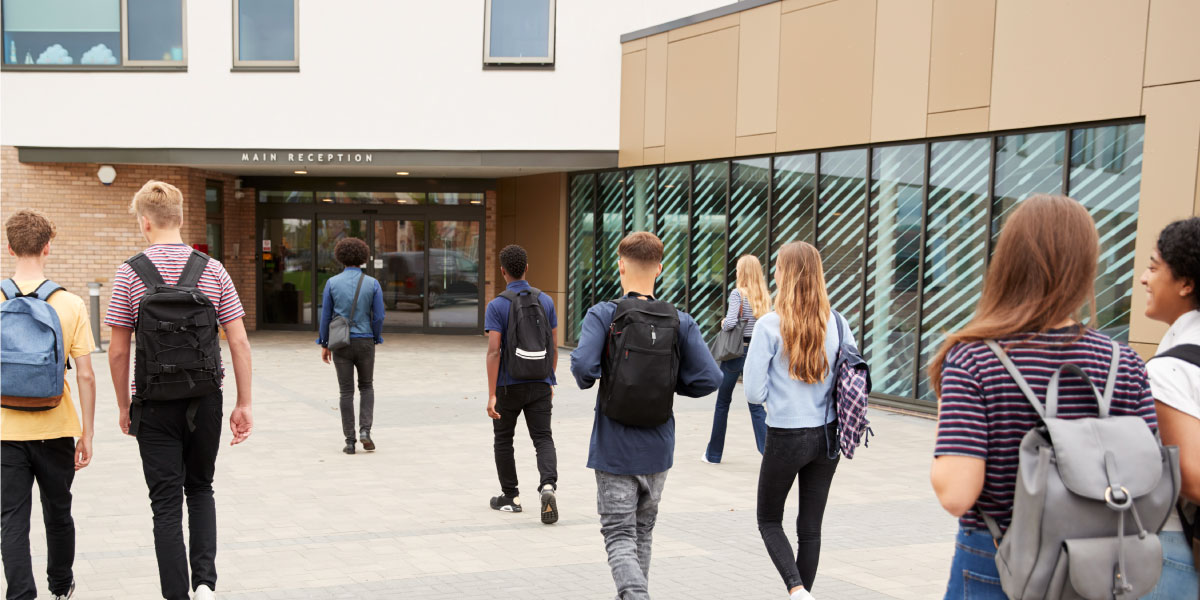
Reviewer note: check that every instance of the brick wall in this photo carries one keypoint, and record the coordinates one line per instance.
(493, 282)
(95, 230)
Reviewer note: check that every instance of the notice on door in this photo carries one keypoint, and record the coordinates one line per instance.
(266, 245)
(379, 263)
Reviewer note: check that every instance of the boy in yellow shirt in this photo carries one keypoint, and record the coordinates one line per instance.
(40, 446)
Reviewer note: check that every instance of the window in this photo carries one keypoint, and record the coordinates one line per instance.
(99, 34)
(518, 32)
(266, 33)
(214, 217)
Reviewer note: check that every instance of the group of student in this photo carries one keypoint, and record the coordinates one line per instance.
(1026, 344)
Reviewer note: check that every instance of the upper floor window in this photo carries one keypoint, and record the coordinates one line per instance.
(518, 32)
(95, 33)
(266, 33)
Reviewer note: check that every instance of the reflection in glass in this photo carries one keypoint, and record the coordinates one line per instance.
(329, 233)
(707, 291)
(212, 236)
(1026, 164)
(580, 251)
(748, 212)
(155, 30)
(212, 201)
(399, 265)
(284, 197)
(1106, 177)
(795, 196)
(889, 335)
(955, 244)
(520, 28)
(674, 228)
(608, 283)
(62, 32)
(639, 200)
(840, 229)
(287, 271)
(454, 272)
(266, 30)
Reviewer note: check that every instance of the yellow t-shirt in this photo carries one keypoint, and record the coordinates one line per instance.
(62, 420)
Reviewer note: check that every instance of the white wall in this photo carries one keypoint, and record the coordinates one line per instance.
(374, 74)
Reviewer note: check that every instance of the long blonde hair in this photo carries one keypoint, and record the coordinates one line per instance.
(752, 285)
(803, 308)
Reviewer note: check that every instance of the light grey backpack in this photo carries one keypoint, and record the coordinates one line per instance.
(1092, 494)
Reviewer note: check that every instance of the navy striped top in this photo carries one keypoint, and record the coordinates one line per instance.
(983, 413)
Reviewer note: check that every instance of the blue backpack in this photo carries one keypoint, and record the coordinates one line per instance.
(33, 359)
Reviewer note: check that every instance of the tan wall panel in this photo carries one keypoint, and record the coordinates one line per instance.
(656, 91)
(702, 96)
(538, 201)
(826, 55)
(1086, 65)
(634, 46)
(1170, 163)
(957, 122)
(960, 61)
(1172, 46)
(901, 85)
(755, 144)
(633, 108)
(791, 5)
(758, 70)
(1146, 351)
(654, 156)
(704, 27)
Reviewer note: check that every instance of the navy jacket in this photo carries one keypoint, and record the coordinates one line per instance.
(622, 450)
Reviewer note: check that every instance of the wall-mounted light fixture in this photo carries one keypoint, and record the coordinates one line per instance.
(106, 174)
(300, 172)
(402, 173)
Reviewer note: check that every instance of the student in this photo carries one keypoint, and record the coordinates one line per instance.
(1043, 271)
(1172, 283)
(353, 293)
(38, 445)
(788, 368)
(631, 462)
(177, 437)
(749, 300)
(509, 396)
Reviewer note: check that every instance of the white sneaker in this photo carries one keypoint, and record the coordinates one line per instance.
(801, 594)
(203, 592)
(704, 457)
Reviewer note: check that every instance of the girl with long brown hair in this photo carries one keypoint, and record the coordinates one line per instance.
(788, 369)
(1040, 278)
(749, 300)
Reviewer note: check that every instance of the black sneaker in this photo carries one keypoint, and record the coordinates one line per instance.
(67, 596)
(349, 449)
(504, 503)
(549, 505)
(364, 436)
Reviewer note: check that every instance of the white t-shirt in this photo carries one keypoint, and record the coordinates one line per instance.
(1176, 383)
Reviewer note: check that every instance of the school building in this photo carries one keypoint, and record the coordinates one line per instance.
(895, 136)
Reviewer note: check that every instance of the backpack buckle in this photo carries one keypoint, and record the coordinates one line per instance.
(168, 326)
(1123, 493)
(168, 369)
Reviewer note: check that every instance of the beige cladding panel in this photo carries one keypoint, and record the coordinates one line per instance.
(1170, 172)
(702, 96)
(758, 71)
(633, 107)
(1046, 72)
(957, 122)
(901, 85)
(1172, 45)
(825, 75)
(755, 144)
(656, 91)
(960, 60)
(654, 156)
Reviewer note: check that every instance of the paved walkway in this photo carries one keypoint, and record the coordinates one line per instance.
(298, 519)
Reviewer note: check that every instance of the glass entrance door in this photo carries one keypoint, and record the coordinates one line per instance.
(329, 233)
(454, 274)
(285, 273)
(399, 265)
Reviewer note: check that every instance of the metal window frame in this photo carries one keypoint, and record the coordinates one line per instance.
(267, 65)
(492, 61)
(125, 60)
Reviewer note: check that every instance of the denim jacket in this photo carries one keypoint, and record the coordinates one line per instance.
(339, 293)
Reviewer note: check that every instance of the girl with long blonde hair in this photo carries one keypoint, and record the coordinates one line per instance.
(788, 369)
(749, 300)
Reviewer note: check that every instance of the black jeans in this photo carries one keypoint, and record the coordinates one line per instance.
(179, 463)
(360, 356)
(52, 464)
(792, 454)
(535, 400)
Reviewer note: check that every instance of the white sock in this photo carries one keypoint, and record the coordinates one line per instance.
(801, 594)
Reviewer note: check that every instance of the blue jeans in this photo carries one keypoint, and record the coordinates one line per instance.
(973, 574)
(732, 369)
(1178, 578)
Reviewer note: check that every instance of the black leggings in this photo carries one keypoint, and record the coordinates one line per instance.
(792, 454)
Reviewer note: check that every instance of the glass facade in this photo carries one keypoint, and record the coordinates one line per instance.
(266, 31)
(520, 31)
(94, 33)
(905, 230)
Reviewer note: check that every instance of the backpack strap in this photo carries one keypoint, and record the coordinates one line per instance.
(193, 269)
(1052, 390)
(1189, 353)
(44, 291)
(10, 289)
(1021, 383)
(1111, 384)
(357, 289)
(145, 270)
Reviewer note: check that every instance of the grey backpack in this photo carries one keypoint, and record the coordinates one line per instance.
(1092, 494)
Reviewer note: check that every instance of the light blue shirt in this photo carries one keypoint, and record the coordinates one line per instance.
(791, 404)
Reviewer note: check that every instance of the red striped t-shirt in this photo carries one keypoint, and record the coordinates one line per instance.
(128, 289)
(983, 413)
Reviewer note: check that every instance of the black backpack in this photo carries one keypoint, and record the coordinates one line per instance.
(1189, 353)
(178, 347)
(529, 341)
(640, 366)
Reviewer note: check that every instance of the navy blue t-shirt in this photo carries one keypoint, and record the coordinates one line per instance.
(496, 319)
